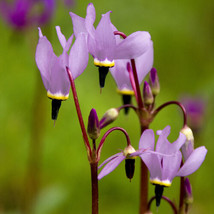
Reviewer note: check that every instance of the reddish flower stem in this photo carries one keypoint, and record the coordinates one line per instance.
(127, 106)
(76, 101)
(94, 185)
(105, 136)
(155, 112)
(143, 183)
(182, 192)
(167, 200)
(137, 85)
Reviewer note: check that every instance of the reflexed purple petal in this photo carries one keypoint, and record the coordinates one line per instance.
(147, 140)
(59, 82)
(78, 57)
(44, 56)
(68, 43)
(78, 24)
(163, 145)
(193, 162)
(90, 19)
(110, 158)
(171, 164)
(61, 37)
(144, 63)
(121, 75)
(65, 44)
(105, 39)
(109, 167)
(178, 143)
(133, 46)
(153, 164)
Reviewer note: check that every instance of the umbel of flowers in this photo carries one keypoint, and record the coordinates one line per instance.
(129, 59)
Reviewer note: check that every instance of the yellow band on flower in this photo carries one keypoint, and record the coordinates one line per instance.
(165, 183)
(104, 63)
(125, 92)
(57, 96)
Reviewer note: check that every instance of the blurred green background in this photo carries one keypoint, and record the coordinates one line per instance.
(46, 166)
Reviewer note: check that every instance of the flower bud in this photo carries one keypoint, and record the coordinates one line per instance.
(188, 198)
(147, 94)
(93, 125)
(154, 82)
(188, 146)
(110, 116)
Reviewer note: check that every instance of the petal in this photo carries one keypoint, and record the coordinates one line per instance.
(163, 144)
(121, 75)
(147, 140)
(105, 39)
(78, 24)
(59, 84)
(90, 19)
(109, 167)
(170, 166)
(44, 57)
(153, 164)
(78, 57)
(144, 63)
(178, 143)
(110, 158)
(193, 162)
(133, 46)
(61, 37)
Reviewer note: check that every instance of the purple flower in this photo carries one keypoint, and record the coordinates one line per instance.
(23, 13)
(195, 108)
(121, 76)
(53, 68)
(102, 42)
(163, 168)
(113, 161)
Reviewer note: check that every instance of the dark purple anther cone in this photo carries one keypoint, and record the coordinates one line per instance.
(158, 193)
(93, 125)
(147, 94)
(154, 82)
(129, 167)
(103, 71)
(127, 99)
(55, 108)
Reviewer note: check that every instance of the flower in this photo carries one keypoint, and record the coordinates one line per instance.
(196, 109)
(113, 161)
(120, 73)
(53, 68)
(24, 13)
(102, 42)
(166, 163)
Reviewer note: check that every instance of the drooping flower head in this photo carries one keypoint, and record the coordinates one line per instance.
(102, 42)
(121, 76)
(113, 161)
(163, 168)
(21, 14)
(53, 68)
